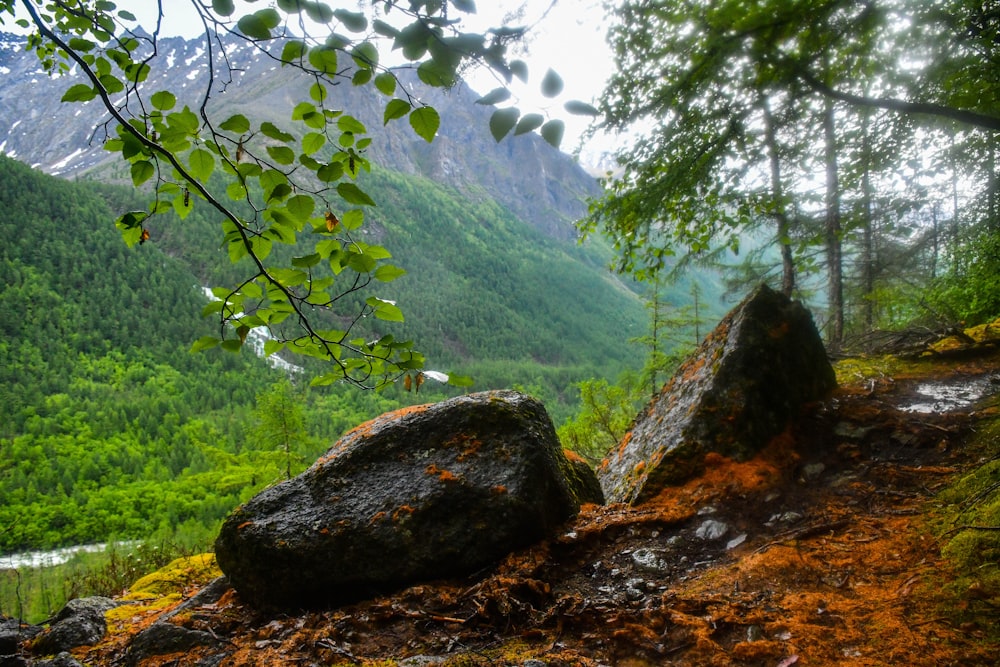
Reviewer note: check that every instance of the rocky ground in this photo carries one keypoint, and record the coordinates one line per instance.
(826, 549)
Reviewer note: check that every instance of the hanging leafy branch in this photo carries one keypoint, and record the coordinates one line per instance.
(296, 185)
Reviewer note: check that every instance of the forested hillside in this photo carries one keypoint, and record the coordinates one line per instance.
(111, 428)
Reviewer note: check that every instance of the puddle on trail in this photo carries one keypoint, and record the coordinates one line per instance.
(952, 394)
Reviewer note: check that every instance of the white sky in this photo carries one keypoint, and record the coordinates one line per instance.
(569, 38)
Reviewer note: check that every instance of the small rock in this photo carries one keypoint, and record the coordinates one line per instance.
(162, 637)
(851, 431)
(81, 622)
(651, 560)
(784, 517)
(812, 471)
(64, 659)
(736, 541)
(635, 589)
(422, 660)
(711, 530)
(755, 633)
(13, 632)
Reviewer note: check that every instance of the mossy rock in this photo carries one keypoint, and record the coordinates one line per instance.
(175, 577)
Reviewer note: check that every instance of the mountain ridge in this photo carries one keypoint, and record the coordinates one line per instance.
(548, 189)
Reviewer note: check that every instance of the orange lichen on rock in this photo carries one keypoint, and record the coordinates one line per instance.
(402, 512)
(365, 429)
(442, 474)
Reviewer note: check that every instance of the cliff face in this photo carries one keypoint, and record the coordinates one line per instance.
(541, 185)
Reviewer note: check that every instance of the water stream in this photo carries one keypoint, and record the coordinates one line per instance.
(53, 557)
(945, 396)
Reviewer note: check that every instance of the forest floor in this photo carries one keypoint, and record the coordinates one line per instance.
(826, 549)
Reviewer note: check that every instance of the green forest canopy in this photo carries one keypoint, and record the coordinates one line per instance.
(861, 135)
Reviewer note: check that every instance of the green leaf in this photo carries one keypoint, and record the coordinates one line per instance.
(350, 124)
(365, 55)
(163, 100)
(259, 24)
(290, 6)
(382, 28)
(307, 261)
(460, 380)
(413, 40)
(318, 12)
(183, 204)
(329, 173)
(425, 121)
(353, 21)
(495, 96)
(352, 219)
(272, 131)
(529, 123)
(578, 108)
(205, 343)
(80, 44)
(552, 84)
(301, 206)
(503, 121)
(202, 164)
(237, 124)
(553, 132)
(519, 68)
(324, 59)
(313, 142)
(385, 83)
(352, 194)
(387, 273)
(142, 171)
(437, 74)
(80, 92)
(395, 109)
(223, 7)
(292, 51)
(272, 346)
(318, 92)
(385, 310)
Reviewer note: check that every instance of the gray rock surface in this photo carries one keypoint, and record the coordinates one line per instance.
(428, 492)
(163, 637)
(13, 632)
(743, 386)
(80, 623)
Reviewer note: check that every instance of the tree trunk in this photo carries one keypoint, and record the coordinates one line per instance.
(834, 254)
(780, 214)
(868, 235)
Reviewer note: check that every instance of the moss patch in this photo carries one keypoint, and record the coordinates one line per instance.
(969, 526)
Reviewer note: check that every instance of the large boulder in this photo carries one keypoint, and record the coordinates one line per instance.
(422, 493)
(744, 384)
